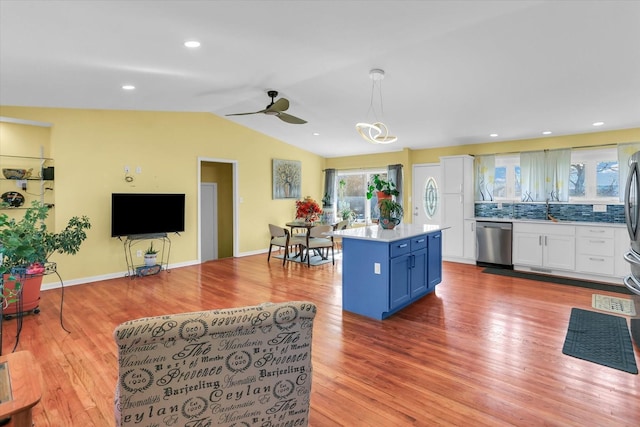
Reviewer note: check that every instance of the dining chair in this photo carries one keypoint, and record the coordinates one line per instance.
(317, 240)
(279, 237)
(340, 226)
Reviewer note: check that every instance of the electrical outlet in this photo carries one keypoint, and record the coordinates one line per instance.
(499, 205)
(599, 208)
(376, 268)
(139, 254)
(126, 169)
(138, 169)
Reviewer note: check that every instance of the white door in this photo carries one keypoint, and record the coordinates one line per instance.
(426, 197)
(209, 221)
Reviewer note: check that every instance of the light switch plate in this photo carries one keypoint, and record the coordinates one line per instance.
(599, 208)
(376, 268)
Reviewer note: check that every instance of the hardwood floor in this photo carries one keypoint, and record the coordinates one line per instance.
(483, 350)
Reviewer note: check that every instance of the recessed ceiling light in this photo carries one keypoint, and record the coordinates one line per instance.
(546, 132)
(128, 87)
(192, 43)
(316, 134)
(493, 135)
(598, 123)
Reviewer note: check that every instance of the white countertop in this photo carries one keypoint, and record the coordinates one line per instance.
(560, 222)
(375, 232)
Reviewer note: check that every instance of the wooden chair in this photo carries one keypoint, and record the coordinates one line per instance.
(340, 226)
(229, 367)
(316, 240)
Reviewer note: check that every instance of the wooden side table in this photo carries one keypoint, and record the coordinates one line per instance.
(20, 387)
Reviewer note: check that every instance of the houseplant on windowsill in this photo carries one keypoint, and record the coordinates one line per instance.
(150, 256)
(26, 247)
(382, 188)
(390, 213)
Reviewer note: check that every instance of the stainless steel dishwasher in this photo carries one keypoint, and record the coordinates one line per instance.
(494, 243)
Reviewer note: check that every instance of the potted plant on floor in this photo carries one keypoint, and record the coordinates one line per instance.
(150, 256)
(26, 247)
(390, 213)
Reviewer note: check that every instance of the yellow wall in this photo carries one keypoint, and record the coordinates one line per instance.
(91, 148)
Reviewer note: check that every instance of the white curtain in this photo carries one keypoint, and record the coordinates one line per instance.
(544, 175)
(558, 168)
(532, 176)
(624, 153)
(485, 169)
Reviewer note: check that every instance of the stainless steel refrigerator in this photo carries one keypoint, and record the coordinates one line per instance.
(632, 218)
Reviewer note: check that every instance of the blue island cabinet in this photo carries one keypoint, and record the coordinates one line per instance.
(381, 277)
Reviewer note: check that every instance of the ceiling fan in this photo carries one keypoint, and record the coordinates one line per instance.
(276, 108)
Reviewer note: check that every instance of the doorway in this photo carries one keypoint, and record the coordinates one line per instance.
(217, 214)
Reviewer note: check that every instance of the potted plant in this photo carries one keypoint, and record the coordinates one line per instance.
(390, 213)
(26, 247)
(150, 256)
(384, 189)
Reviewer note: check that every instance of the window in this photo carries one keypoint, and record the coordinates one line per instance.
(594, 175)
(352, 195)
(507, 177)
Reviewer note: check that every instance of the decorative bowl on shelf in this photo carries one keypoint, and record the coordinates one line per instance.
(10, 173)
(13, 199)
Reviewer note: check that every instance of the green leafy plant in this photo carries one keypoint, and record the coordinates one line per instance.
(151, 250)
(379, 184)
(390, 209)
(26, 242)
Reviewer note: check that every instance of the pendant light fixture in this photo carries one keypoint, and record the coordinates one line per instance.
(377, 132)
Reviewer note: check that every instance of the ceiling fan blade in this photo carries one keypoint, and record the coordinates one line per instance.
(281, 104)
(244, 114)
(291, 119)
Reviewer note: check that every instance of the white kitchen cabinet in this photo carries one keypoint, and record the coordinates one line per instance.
(470, 241)
(622, 241)
(546, 246)
(595, 250)
(457, 204)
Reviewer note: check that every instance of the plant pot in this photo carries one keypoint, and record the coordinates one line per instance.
(382, 195)
(150, 259)
(30, 294)
(389, 223)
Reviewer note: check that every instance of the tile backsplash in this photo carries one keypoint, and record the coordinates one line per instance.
(561, 211)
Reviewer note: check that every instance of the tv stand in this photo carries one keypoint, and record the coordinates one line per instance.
(134, 243)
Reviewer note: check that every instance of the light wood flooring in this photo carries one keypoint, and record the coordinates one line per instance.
(483, 350)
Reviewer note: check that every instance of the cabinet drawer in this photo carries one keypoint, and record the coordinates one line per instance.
(602, 232)
(596, 264)
(595, 246)
(418, 242)
(400, 247)
(546, 229)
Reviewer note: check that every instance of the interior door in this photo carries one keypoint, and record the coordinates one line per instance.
(426, 198)
(209, 218)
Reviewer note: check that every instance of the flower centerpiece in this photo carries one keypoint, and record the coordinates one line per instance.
(308, 209)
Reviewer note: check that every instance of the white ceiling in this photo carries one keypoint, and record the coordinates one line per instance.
(456, 71)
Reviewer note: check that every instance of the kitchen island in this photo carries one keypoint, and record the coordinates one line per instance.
(384, 271)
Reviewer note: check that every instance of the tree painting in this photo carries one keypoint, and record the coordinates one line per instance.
(286, 179)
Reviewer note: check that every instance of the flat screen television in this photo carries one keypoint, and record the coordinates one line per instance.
(146, 213)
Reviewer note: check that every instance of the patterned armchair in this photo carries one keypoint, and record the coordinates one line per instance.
(231, 367)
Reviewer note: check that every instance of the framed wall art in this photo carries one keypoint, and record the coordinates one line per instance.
(286, 179)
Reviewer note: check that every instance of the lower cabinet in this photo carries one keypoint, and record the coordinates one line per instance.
(380, 278)
(547, 246)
